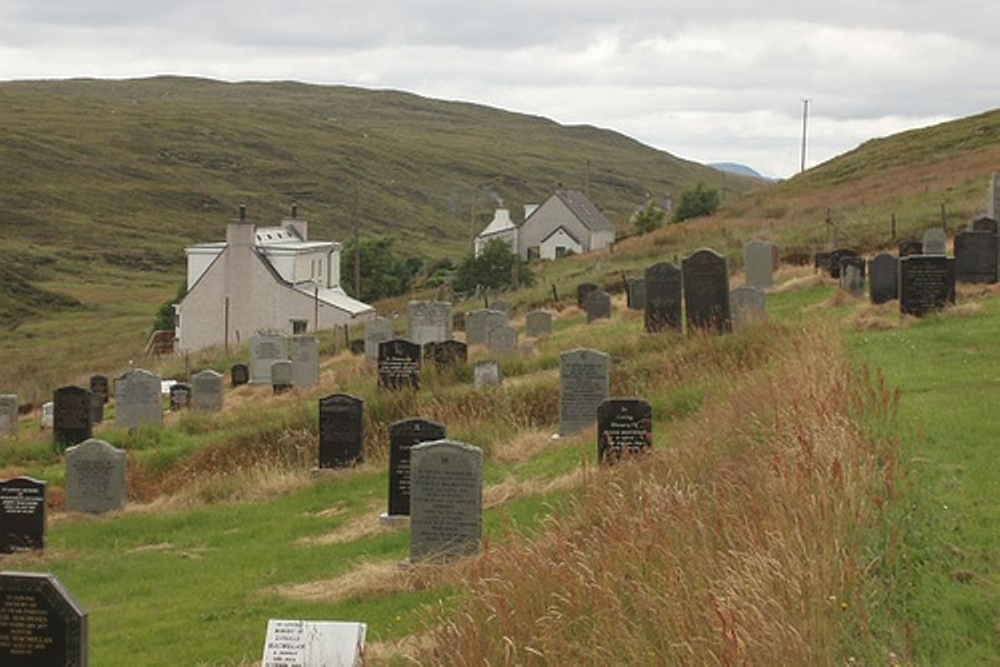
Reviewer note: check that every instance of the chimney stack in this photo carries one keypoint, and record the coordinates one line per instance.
(243, 212)
(295, 210)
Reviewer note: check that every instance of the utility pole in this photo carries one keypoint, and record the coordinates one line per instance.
(357, 245)
(805, 120)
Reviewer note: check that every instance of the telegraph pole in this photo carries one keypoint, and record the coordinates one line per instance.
(805, 120)
(357, 244)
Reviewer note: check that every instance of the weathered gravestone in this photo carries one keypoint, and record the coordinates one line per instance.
(95, 477)
(341, 430)
(758, 258)
(935, 241)
(8, 415)
(239, 375)
(538, 323)
(479, 322)
(835, 260)
(748, 305)
(180, 396)
(582, 291)
(377, 330)
(446, 500)
(403, 435)
(398, 364)
(22, 515)
(635, 293)
(883, 278)
(96, 408)
(99, 385)
(502, 339)
(486, 373)
(206, 391)
(989, 225)
(137, 400)
(47, 417)
(597, 306)
(505, 307)
(664, 304)
(852, 276)
(624, 428)
(926, 283)
(265, 349)
(428, 321)
(911, 247)
(281, 376)
(584, 381)
(305, 361)
(446, 353)
(41, 623)
(706, 291)
(976, 257)
(314, 644)
(71, 418)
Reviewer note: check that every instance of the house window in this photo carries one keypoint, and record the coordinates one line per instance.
(300, 326)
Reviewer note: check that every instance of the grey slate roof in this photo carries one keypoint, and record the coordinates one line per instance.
(585, 211)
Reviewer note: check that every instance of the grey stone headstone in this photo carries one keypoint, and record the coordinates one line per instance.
(96, 408)
(282, 379)
(22, 515)
(446, 500)
(935, 241)
(505, 307)
(758, 257)
(41, 622)
(976, 257)
(265, 349)
(538, 323)
(706, 291)
(479, 322)
(341, 430)
(502, 339)
(399, 364)
(636, 293)
(428, 321)
(852, 276)
(993, 197)
(597, 305)
(584, 381)
(206, 391)
(8, 415)
(137, 400)
(180, 396)
(664, 305)
(71, 416)
(883, 278)
(403, 435)
(926, 283)
(377, 330)
(624, 428)
(486, 373)
(748, 305)
(95, 477)
(305, 361)
(313, 644)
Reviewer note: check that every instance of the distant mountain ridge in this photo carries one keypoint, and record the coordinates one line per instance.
(740, 169)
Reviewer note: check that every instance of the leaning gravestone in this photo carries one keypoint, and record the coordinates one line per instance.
(8, 415)
(538, 323)
(663, 297)
(584, 381)
(22, 515)
(403, 435)
(582, 291)
(41, 623)
(428, 321)
(314, 644)
(239, 375)
(935, 241)
(758, 258)
(883, 278)
(597, 305)
(281, 376)
(748, 305)
(341, 430)
(446, 353)
(486, 373)
(71, 417)
(976, 257)
(635, 290)
(624, 428)
(398, 364)
(926, 283)
(305, 361)
(206, 391)
(502, 340)
(180, 396)
(99, 385)
(446, 500)
(852, 276)
(137, 400)
(95, 477)
(377, 330)
(706, 291)
(479, 322)
(265, 349)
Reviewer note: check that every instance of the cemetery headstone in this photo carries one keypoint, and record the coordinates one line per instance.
(748, 305)
(446, 500)
(377, 330)
(584, 381)
(479, 322)
(137, 400)
(883, 278)
(926, 283)
(239, 375)
(597, 305)
(663, 298)
(428, 321)
(852, 276)
(206, 391)
(71, 423)
(486, 373)
(41, 623)
(281, 376)
(538, 323)
(47, 417)
(984, 225)
(636, 293)
(505, 307)
(99, 385)
(582, 291)
(822, 261)
(8, 415)
(502, 339)
(22, 515)
(835, 260)
(624, 427)
(446, 353)
(305, 361)
(911, 247)
(398, 364)
(706, 291)
(758, 257)
(341, 430)
(180, 396)
(265, 349)
(993, 196)
(96, 408)
(976, 257)
(935, 241)
(314, 644)
(95, 477)
(403, 435)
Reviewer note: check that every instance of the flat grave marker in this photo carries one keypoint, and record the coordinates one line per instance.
(313, 644)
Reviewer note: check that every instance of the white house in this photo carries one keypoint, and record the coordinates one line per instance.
(566, 222)
(262, 279)
(501, 227)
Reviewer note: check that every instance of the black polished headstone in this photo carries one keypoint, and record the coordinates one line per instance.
(976, 257)
(664, 304)
(41, 623)
(624, 428)
(402, 436)
(926, 283)
(341, 430)
(71, 415)
(706, 291)
(22, 515)
(398, 364)
(883, 278)
(239, 375)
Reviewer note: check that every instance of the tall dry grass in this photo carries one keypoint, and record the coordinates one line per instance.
(747, 542)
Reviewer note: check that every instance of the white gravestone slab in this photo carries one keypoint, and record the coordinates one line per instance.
(313, 644)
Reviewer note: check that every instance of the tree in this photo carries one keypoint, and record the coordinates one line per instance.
(696, 202)
(383, 271)
(649, 218)
(164, 319)
(493, 269)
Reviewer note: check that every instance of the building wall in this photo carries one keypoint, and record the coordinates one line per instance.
(508, 235)
(546, 219)
(560, 239)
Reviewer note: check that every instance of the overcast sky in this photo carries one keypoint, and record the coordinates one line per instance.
(708, 81)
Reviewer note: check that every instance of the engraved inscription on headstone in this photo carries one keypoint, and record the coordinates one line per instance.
(398, 364)
(446, 500)
(41, 623)
(8, 415)
(22, 515)
(883, 278)
(538, 323)
(926, 283)
(584, 381)
(341, 430)
(71, 415)
(265, 349)
(624, 427)
(313, 644)
(206, 391)
(95, 477)
(706, 291)
(137, 399)
(403, 435)
(663, 298)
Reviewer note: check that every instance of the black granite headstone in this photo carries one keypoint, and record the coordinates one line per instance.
(41, 623)
(976, 257)
(402, 436)
(926, 283)
(398, 364)
(99, 385)
(239, 374)
(706, 291)
(341, 430)
(446, 352)
(624, 428)
(883, 278)
(22, 515)
(71, 415)
(664, 305)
